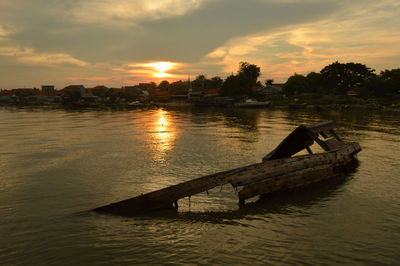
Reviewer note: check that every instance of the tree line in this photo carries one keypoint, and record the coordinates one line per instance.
(340, 78)
(336, 78)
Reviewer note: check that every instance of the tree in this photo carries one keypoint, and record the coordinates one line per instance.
(268, 82)
(242, 83)
(199, 82)
(340, 77)
(249, 71)
(216, 82)
(314, 83)
(163, 85)
(374, 85)
(295, 84)
(236, 85)
(392, 80)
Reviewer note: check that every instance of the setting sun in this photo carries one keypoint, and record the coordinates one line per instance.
(161, 75)
(160, 68)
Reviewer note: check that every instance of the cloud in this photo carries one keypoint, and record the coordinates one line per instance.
(167, 31)
(87, 38)
(369, 35)
(130, 12)
(29, 56)
(6, 30)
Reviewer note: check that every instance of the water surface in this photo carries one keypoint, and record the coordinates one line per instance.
(56, 165)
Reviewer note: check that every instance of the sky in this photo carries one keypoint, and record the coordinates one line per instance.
(123, 42)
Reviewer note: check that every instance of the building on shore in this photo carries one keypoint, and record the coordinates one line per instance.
(48, 90)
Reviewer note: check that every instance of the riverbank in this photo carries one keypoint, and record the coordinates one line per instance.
(337, 103)
(318, 105)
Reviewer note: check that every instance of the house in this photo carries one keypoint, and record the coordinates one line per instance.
(212, 92)
(6, 96)
(74, 89)
(99, 90)
(195, 95)
(136, 93)
(179, 90)
(161, 95)
(6, 93)
(48, 90)
(269, 91)
(24, 92)
(147, 86)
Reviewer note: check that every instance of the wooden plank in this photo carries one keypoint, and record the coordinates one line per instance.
(301, 138)
(321, 143)
(334, 144)
(164, 198)
(335, 135)
(267, 170)
(287, 181)
(324, 126)
(323, 134)
(298, 140)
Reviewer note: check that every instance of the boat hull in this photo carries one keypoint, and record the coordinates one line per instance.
(252, 180)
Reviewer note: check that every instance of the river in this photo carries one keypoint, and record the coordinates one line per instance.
(57, 165)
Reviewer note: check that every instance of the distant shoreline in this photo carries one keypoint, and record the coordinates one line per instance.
(293, 106)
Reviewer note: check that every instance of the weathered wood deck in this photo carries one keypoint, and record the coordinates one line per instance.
(278, 171)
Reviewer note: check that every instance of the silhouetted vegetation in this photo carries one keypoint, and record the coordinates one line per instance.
(242, 83)
(269, 82)
(341, 79)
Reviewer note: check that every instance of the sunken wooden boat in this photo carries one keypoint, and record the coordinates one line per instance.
(278, 171)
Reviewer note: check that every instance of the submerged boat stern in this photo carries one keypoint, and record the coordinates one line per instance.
(278, 171)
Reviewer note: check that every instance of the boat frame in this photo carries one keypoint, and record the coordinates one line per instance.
(278, 171)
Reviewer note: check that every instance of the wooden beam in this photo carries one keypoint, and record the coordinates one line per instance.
(335, 135)
(321, 143)
(287, 181)
(325, 126)
(334, 144)
(296, 141)
(293, 180)
(268, 169)
(323, 135)
(164, 198)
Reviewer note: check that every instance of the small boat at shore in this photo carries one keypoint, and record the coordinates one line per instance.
(249, 103)
(278, 171)
(135, 104)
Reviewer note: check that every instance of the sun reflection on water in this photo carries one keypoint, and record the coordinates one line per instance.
(165, 134)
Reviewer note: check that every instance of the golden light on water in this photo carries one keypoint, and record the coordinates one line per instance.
(165, 133)
(162, 121)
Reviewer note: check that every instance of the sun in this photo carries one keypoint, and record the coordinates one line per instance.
(160, 69)
(162, 75)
